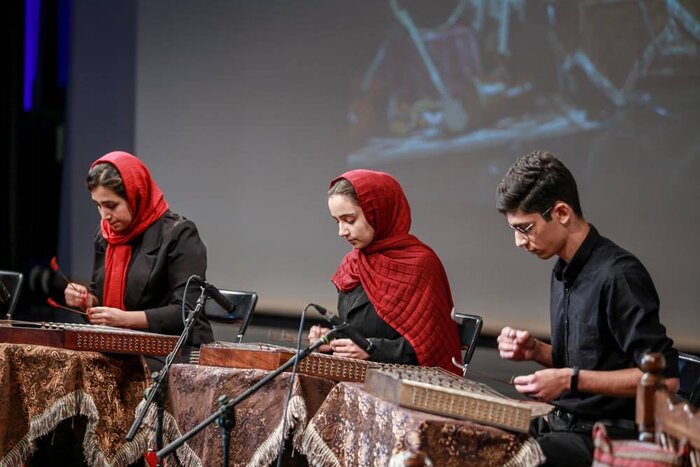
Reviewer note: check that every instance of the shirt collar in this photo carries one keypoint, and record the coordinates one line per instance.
(567, 272)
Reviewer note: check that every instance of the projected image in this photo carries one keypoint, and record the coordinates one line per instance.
(473, 74)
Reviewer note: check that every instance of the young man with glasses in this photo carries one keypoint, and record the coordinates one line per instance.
(604, 314)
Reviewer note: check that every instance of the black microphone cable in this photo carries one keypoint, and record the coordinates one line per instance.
(291, 384)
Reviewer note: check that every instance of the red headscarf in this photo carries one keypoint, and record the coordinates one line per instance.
(147, 206)
(403, 278)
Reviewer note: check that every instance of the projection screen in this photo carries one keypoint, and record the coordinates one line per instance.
(245, 110)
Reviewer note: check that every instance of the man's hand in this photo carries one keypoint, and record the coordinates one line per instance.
(516, 344)
(544, 385)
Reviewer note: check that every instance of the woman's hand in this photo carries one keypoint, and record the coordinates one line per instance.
(347, 348)
(317, 332)
(107, 316)
(78, 296)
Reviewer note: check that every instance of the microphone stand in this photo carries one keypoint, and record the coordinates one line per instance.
(158, 390)
(225, 416)
(244, 326)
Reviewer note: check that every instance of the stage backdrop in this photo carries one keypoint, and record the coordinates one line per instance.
(245, 110)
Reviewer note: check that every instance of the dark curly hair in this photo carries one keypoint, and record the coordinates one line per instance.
(535, 182)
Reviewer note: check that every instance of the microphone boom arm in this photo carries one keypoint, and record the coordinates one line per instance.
(344, 328)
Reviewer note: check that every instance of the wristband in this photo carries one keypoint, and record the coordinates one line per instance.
(574, 381)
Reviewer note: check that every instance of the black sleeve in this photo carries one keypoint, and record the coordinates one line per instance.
(185, 255)
(634, 316)
(389, 346)
(397, 350)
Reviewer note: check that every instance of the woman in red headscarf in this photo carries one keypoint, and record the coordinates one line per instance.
(144, 254)
(392, 287)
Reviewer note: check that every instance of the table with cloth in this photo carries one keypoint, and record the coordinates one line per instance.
(330, 423)
(354, 427)
(192, 396)
(40, 387)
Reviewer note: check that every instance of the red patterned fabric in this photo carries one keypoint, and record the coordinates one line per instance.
(403, 278)
(147, 206)
(629, 453)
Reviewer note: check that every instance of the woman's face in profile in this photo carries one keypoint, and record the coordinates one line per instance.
(113, 208)
(352, 224)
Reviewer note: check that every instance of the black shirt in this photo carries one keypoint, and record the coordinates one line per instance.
(604, 314)
(389, 345)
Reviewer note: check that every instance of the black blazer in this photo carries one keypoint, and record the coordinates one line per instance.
(162, 259)
(389, 345)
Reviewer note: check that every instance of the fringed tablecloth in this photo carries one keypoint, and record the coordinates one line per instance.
(354, 427)
(42, 386)
(193, 392)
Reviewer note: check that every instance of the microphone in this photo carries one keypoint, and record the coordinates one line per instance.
(214, 293)
(345, 329)
(5, 295)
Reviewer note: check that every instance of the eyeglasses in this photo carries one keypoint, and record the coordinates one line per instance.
(525, 231)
